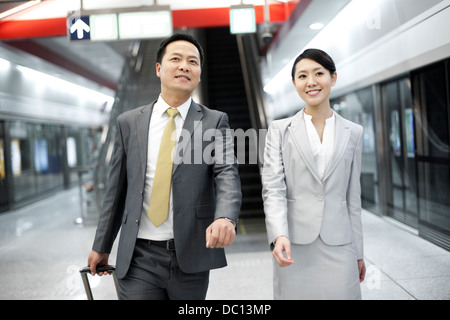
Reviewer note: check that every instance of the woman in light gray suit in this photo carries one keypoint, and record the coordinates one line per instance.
(311, 192)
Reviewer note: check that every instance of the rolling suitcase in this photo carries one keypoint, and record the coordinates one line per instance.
(84, 276)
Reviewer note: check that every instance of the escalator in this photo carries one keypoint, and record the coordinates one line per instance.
(226, 91)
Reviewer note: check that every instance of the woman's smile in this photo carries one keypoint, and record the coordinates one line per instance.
(313, 93)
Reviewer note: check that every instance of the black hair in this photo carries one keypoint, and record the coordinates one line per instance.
(178, 37)
(319, 56)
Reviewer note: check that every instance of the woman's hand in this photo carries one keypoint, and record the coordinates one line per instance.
(282, 245)
(362, 270)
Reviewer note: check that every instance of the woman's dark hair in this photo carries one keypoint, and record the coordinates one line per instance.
(319, 56)
(178, 37)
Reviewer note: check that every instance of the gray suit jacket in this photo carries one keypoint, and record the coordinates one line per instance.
(204, 187)
(300, 205)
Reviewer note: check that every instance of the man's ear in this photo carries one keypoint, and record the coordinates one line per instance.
(158, 69)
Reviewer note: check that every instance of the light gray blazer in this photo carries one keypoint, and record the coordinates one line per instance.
(300, 205)
(204, 188)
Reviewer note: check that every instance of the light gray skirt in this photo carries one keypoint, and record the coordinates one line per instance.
(320, 272)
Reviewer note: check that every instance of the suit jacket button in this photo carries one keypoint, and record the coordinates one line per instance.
(137, 222)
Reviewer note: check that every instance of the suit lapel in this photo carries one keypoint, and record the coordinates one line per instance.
(341, 140)
(142, 127)
(299, 135)
(191, 122)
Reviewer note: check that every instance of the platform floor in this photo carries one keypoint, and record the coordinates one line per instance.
(42, 249)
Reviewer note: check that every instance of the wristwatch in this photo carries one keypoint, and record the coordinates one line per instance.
(228, 219)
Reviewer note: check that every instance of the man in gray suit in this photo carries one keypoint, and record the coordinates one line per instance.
(170, 260)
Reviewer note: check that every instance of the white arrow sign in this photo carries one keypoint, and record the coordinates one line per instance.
(79, 26)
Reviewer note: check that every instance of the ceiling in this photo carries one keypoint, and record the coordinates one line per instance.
(296, 33)
(102, 63)
(8, 5)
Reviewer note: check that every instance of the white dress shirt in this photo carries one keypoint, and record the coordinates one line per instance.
(157, 124)
(322, 151)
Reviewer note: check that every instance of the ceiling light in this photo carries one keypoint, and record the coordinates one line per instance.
(19, 8)
(242, 19)
(316, 26)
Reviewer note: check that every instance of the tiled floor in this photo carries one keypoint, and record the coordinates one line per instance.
(42, 249)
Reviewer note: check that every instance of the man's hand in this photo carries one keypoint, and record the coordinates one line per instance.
(220, 233)
(97, 258)
(282, 245)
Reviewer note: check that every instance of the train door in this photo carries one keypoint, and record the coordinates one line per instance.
(401, 191)
(3, 184)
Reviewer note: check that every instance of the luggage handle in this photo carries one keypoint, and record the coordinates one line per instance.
(106, 268)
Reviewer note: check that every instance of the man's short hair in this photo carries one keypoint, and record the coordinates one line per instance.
(178, 37)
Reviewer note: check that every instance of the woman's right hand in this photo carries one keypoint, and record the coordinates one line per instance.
(282, 245)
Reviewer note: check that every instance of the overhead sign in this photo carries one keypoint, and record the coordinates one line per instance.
(242, 19)
(103, 27)
(79, 28)
(142, 25)
(123, 24)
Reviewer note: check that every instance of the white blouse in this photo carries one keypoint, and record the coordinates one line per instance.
(321, 151)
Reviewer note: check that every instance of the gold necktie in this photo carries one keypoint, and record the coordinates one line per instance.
(158, 210)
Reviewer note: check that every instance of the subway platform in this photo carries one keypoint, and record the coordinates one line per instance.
(42, 250)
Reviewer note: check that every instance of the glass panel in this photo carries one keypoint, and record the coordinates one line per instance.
(432, 95)
(392, 107)
(82, 147)
(436, 111)
(3, 184)
(435, 202)
(358, 107)
(2, 157)
(21, 161)
(36, 157)
(409, 149)
(47, 158)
